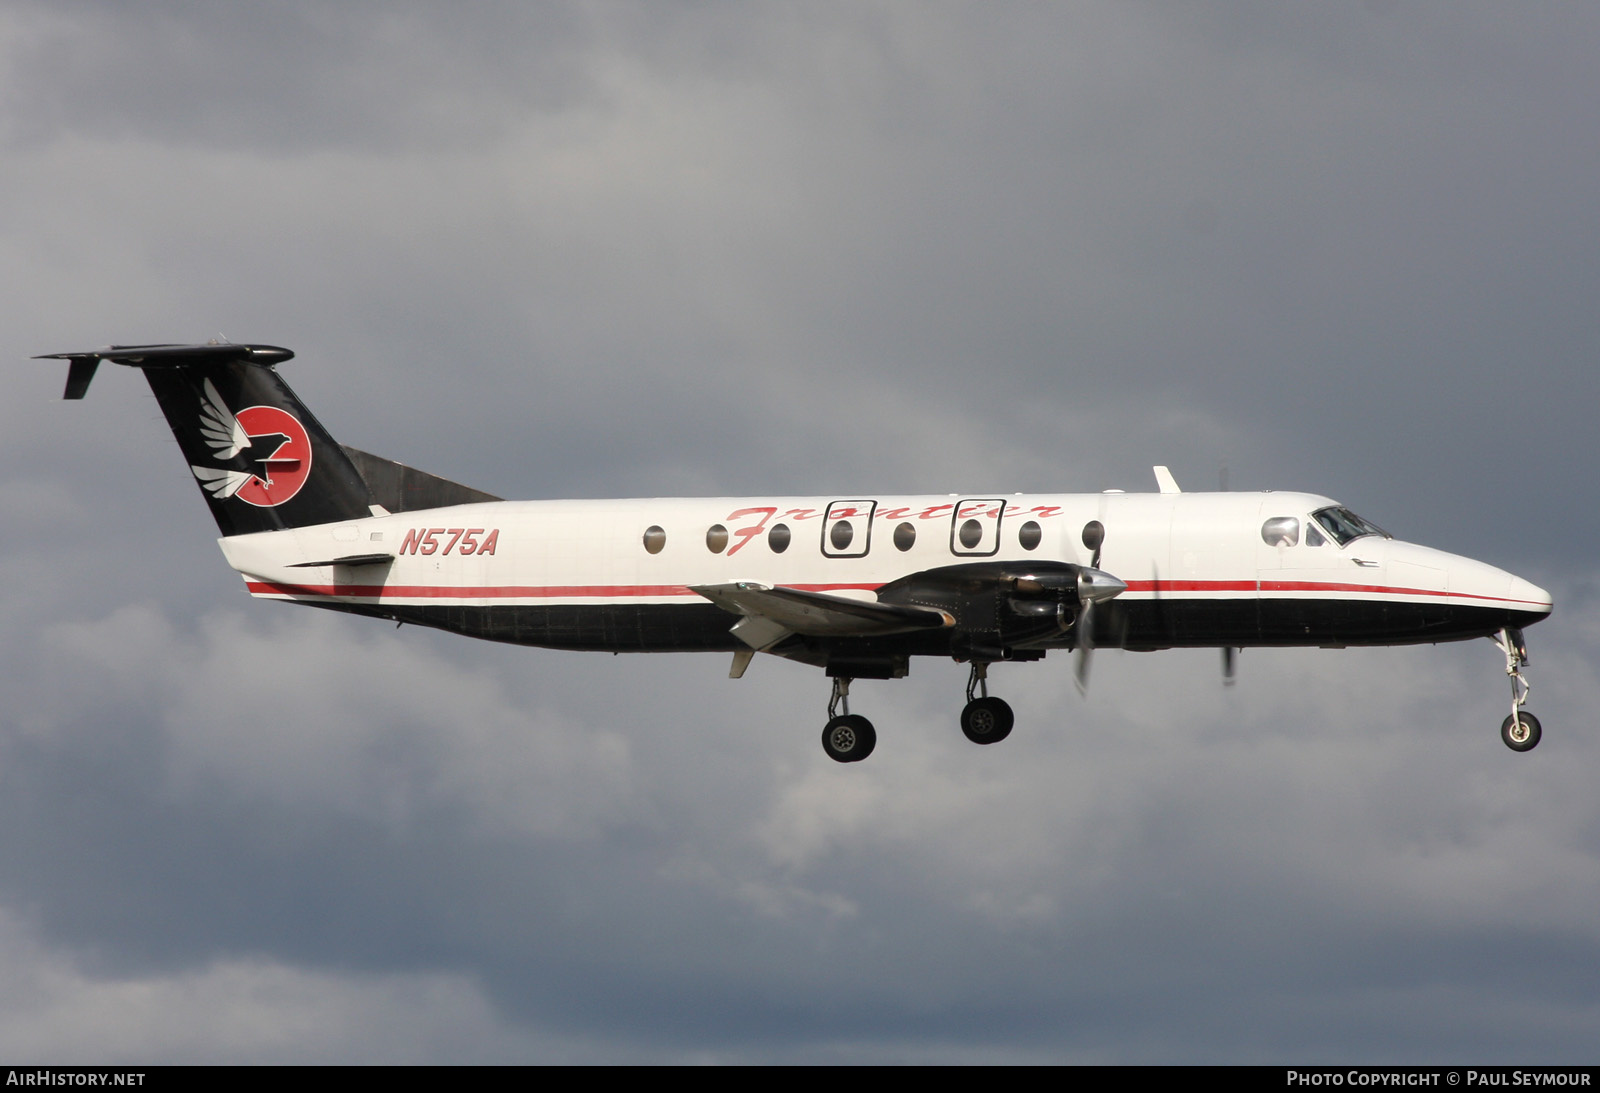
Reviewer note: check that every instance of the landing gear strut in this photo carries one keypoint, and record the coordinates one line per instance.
(847, 737)
(985, 720)
(1521, 730)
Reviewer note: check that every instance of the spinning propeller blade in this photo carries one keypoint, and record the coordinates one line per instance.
(1094, 586)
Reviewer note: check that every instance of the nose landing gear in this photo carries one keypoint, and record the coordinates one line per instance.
(984, 720)
(1520, 731)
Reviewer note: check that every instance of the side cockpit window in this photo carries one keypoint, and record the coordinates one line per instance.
(1281, 531)
(1344, 526)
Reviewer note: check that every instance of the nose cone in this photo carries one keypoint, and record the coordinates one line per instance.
(1525, 596)
(1474, 583)
(1488, 595)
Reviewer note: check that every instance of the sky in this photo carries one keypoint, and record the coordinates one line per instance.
(575, 250)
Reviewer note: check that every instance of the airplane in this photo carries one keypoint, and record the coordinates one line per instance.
(854, 585)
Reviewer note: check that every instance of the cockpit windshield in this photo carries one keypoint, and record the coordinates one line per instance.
(1344, 526)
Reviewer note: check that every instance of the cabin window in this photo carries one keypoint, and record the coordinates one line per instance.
(654, 539)
(1281, 531)
(971, 534)
(716, 538)
(1094, 534)
(1029, 535)
(840, 534)
(905, 537)
(778, 538)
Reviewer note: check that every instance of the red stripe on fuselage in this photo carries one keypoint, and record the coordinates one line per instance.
(632, 592)
(1164, 587)
(502, 592)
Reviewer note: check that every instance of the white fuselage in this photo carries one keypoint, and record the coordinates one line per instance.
(1177, 553)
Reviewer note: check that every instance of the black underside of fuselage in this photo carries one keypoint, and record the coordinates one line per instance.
(1125, 624)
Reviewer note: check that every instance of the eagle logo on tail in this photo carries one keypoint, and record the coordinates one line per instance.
(266, 451)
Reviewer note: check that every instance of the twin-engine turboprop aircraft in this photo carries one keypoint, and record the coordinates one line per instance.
(856, 586)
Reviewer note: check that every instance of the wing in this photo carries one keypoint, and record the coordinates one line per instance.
(221, 429)
(773, 613)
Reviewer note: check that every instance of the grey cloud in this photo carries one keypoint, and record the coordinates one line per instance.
(613, 250)
(289, 79)
(1116, 861)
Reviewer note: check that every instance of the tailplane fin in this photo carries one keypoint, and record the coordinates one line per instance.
(262, 460)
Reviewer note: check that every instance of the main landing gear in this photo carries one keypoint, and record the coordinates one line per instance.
(850, 738)
(847, 737)
(1521, 730)
(985, 720)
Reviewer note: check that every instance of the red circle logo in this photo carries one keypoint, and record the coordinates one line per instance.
(286, 467)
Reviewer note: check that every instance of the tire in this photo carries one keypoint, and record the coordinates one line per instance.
(849, 739)
(987, 720)
(1524, 737)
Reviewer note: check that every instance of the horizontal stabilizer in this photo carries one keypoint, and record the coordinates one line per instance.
(83, 365)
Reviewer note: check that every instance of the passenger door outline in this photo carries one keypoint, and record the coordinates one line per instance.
(854, 538)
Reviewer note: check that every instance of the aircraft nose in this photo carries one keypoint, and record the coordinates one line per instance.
(1526, 601)
(1527, 596)
(1471, 583)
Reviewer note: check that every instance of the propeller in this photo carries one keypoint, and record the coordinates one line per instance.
(1229, 664)
(1094, 586)
(1085, 647)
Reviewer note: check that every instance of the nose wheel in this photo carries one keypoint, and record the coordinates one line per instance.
(1520, 731)
(984, 720)
(847, 737)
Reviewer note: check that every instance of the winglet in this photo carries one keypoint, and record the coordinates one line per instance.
(1165, 480)
(79, 373)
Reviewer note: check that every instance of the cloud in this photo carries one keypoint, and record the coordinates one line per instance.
(611, 251)
(234, 1011)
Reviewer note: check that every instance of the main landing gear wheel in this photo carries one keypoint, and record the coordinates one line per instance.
(849, 738)
(1522, 732)
(987, 720)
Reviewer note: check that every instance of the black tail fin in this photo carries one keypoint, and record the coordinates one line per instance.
(262, 461)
